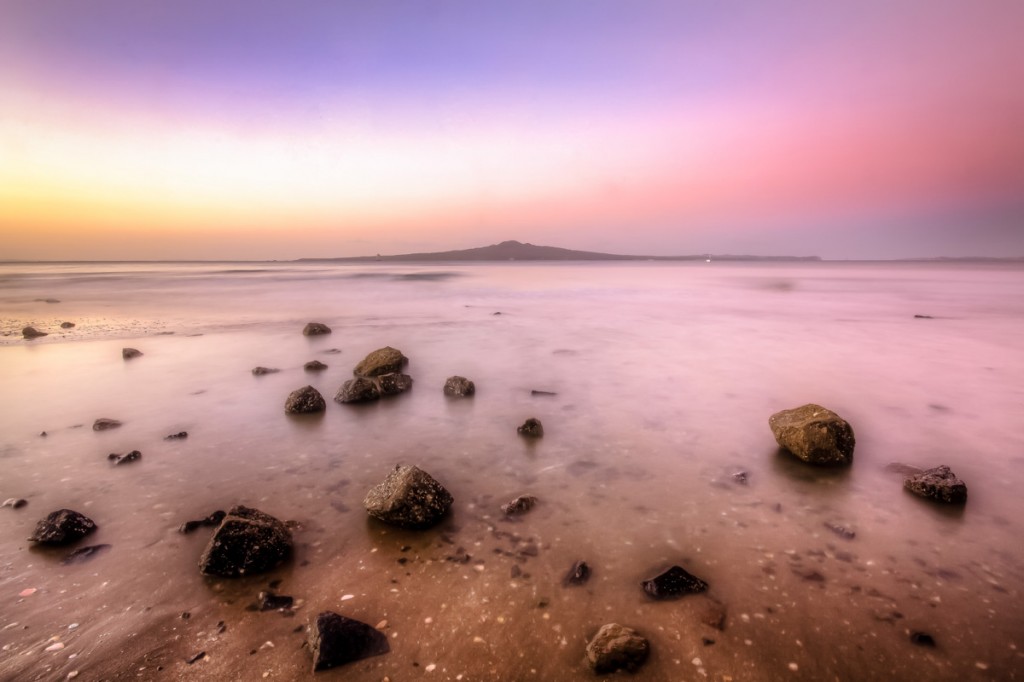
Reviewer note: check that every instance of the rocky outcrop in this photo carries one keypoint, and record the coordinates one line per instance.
(314, 366)
(336, 640)
(129, 353)
(459, 387)
(14, 502)
(358, 390)
(394, 383)
(62, 527)
(814, 434)
(675, 582)
(32, 333)
(381, 361)
(103, 424)
(305, 400)
(409, 497)
(246, 542)
(531, 428)
(938, 484)
(315, 329)
(616, 647)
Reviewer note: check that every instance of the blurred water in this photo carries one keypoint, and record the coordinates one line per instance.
(664, 374)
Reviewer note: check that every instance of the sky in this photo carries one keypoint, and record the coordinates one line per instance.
(142, 129)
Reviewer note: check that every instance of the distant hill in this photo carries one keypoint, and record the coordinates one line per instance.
(517, 251)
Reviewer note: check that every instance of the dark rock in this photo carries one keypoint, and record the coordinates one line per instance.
(923, 317)
(129, 353)
(381, 361)
(260, 371)
(213, 519)
(409, 497)
(32, 333)
(740, 477)
(67, 325)
(394, 383)
(616, 647)
(548, 393)
(531, 428)
(304, 401)
(814, 434)
(198, 657)
(314, 366)
(939, 484)
(520, 505)
(246, 542)
(577, 575)
(62, 527)
(459, 387)
(842, 531)
(84, 554)
(126, 458)
(675, 582)
(713, 614)
(14, 502)
(358, 390)
(922, 639)
(268, 601)
(177, 436)
(901, 468)
(336, 640)
(315, 329)
(102, 424)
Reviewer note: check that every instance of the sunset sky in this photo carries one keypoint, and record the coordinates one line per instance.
(136, 129)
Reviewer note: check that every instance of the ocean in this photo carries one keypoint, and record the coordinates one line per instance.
(656, 452)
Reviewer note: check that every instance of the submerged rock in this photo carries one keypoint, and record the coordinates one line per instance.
(394, 383)
(358, 390)
(675, 582)
(62, 527)
(246, 542)
(83, 554)
(314, 366)
(213, 519)
(814, 434)
(381, 361)
(531, 428)
(67, 325)
(616, 647)
(519, 505)
(177, 436)
(409, 497)
(14, 502)
(305, 400)
(577, 575)
(939, 484)
(129, 353)
(459, 387)
(315, 329)
(103, 423)
(260, 371)
(335, 640)
(268, 601)
(32, 333)
(126, 458)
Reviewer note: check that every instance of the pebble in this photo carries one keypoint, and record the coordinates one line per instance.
(73, 674)
(430, 668)
(27, 592)
(56, 646)
(794, 667)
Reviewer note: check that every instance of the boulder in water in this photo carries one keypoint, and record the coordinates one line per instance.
(459, 387)
(358, 390)
(314, 366)
(246, 542)
(103, 423)
(938, 484)
(381, 361)
(305, 400)
(814, 434)
(409, 497)
(62, 527)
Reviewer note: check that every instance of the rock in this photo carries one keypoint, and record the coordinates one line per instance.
(814, 434)
(675, 582)
(381, 361)
(102, 424)
(358, 390)
(314, 366)
(531, 428)
(129, 353)
(126, 458)
(246, 542)
(923, 317)
(520, 505)
(304, 401)
(62, 527)
(939, 484)
(842, 531)
(901, 468)
(577, 575)
(922, 639)
(268, 601)
(336, 640)
(394, 383)
(177, 436)
(14, 502)
(315, 329)
(197, 657)
(84, 554)
(617, 647)
(409, 497)
(67, 325)
(213, 519)
(545, 393)
(260, 371)
(459, 387)
(32, 333)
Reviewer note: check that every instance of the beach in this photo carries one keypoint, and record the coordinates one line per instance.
(654, 383)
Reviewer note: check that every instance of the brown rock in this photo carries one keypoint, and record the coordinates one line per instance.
(617, 647)
(381, 361)
(814, 434)
(938, 484)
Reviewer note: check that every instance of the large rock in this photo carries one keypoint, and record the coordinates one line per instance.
(358, 390)
(32, 333)
(315, 329)
(335, 640)
(814, 434)
(939, 484)
(675, 582)
(246, 542)
(409, 497)
(459, 387)
(531, 428)
(616, 647)
(381, 361)
(62, 527)
(394, 383)
(304, 401)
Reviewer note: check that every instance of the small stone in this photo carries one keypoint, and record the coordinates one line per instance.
(938, 484)
(814, 434)
(577, 575)
(531, 428)
(459, 387)
(617, 647)
(260, 371)
(62, 527)
(246, 542)
(177, 436)
(519, 505)
(314, 366)
(922, 639)
(305, 400)
(32, 333)
(268, 601)
(675, 582)
(103, 424)
(129, 353)
(315, 329)
(126, 458)
(14, 502)
(335, 640)
(358, 390)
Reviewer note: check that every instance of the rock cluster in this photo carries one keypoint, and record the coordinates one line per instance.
(260, 371)
(409, 497)
(314, 366)
(62, 527)
(519, 505)
(126, 458)
(459, 387)
(305, 400)
(814, 434)
(616, 647)
(103, 423)
(377, 375)
(938, 484)
(246, 542)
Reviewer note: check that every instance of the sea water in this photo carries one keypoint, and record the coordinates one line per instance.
(656, 452)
